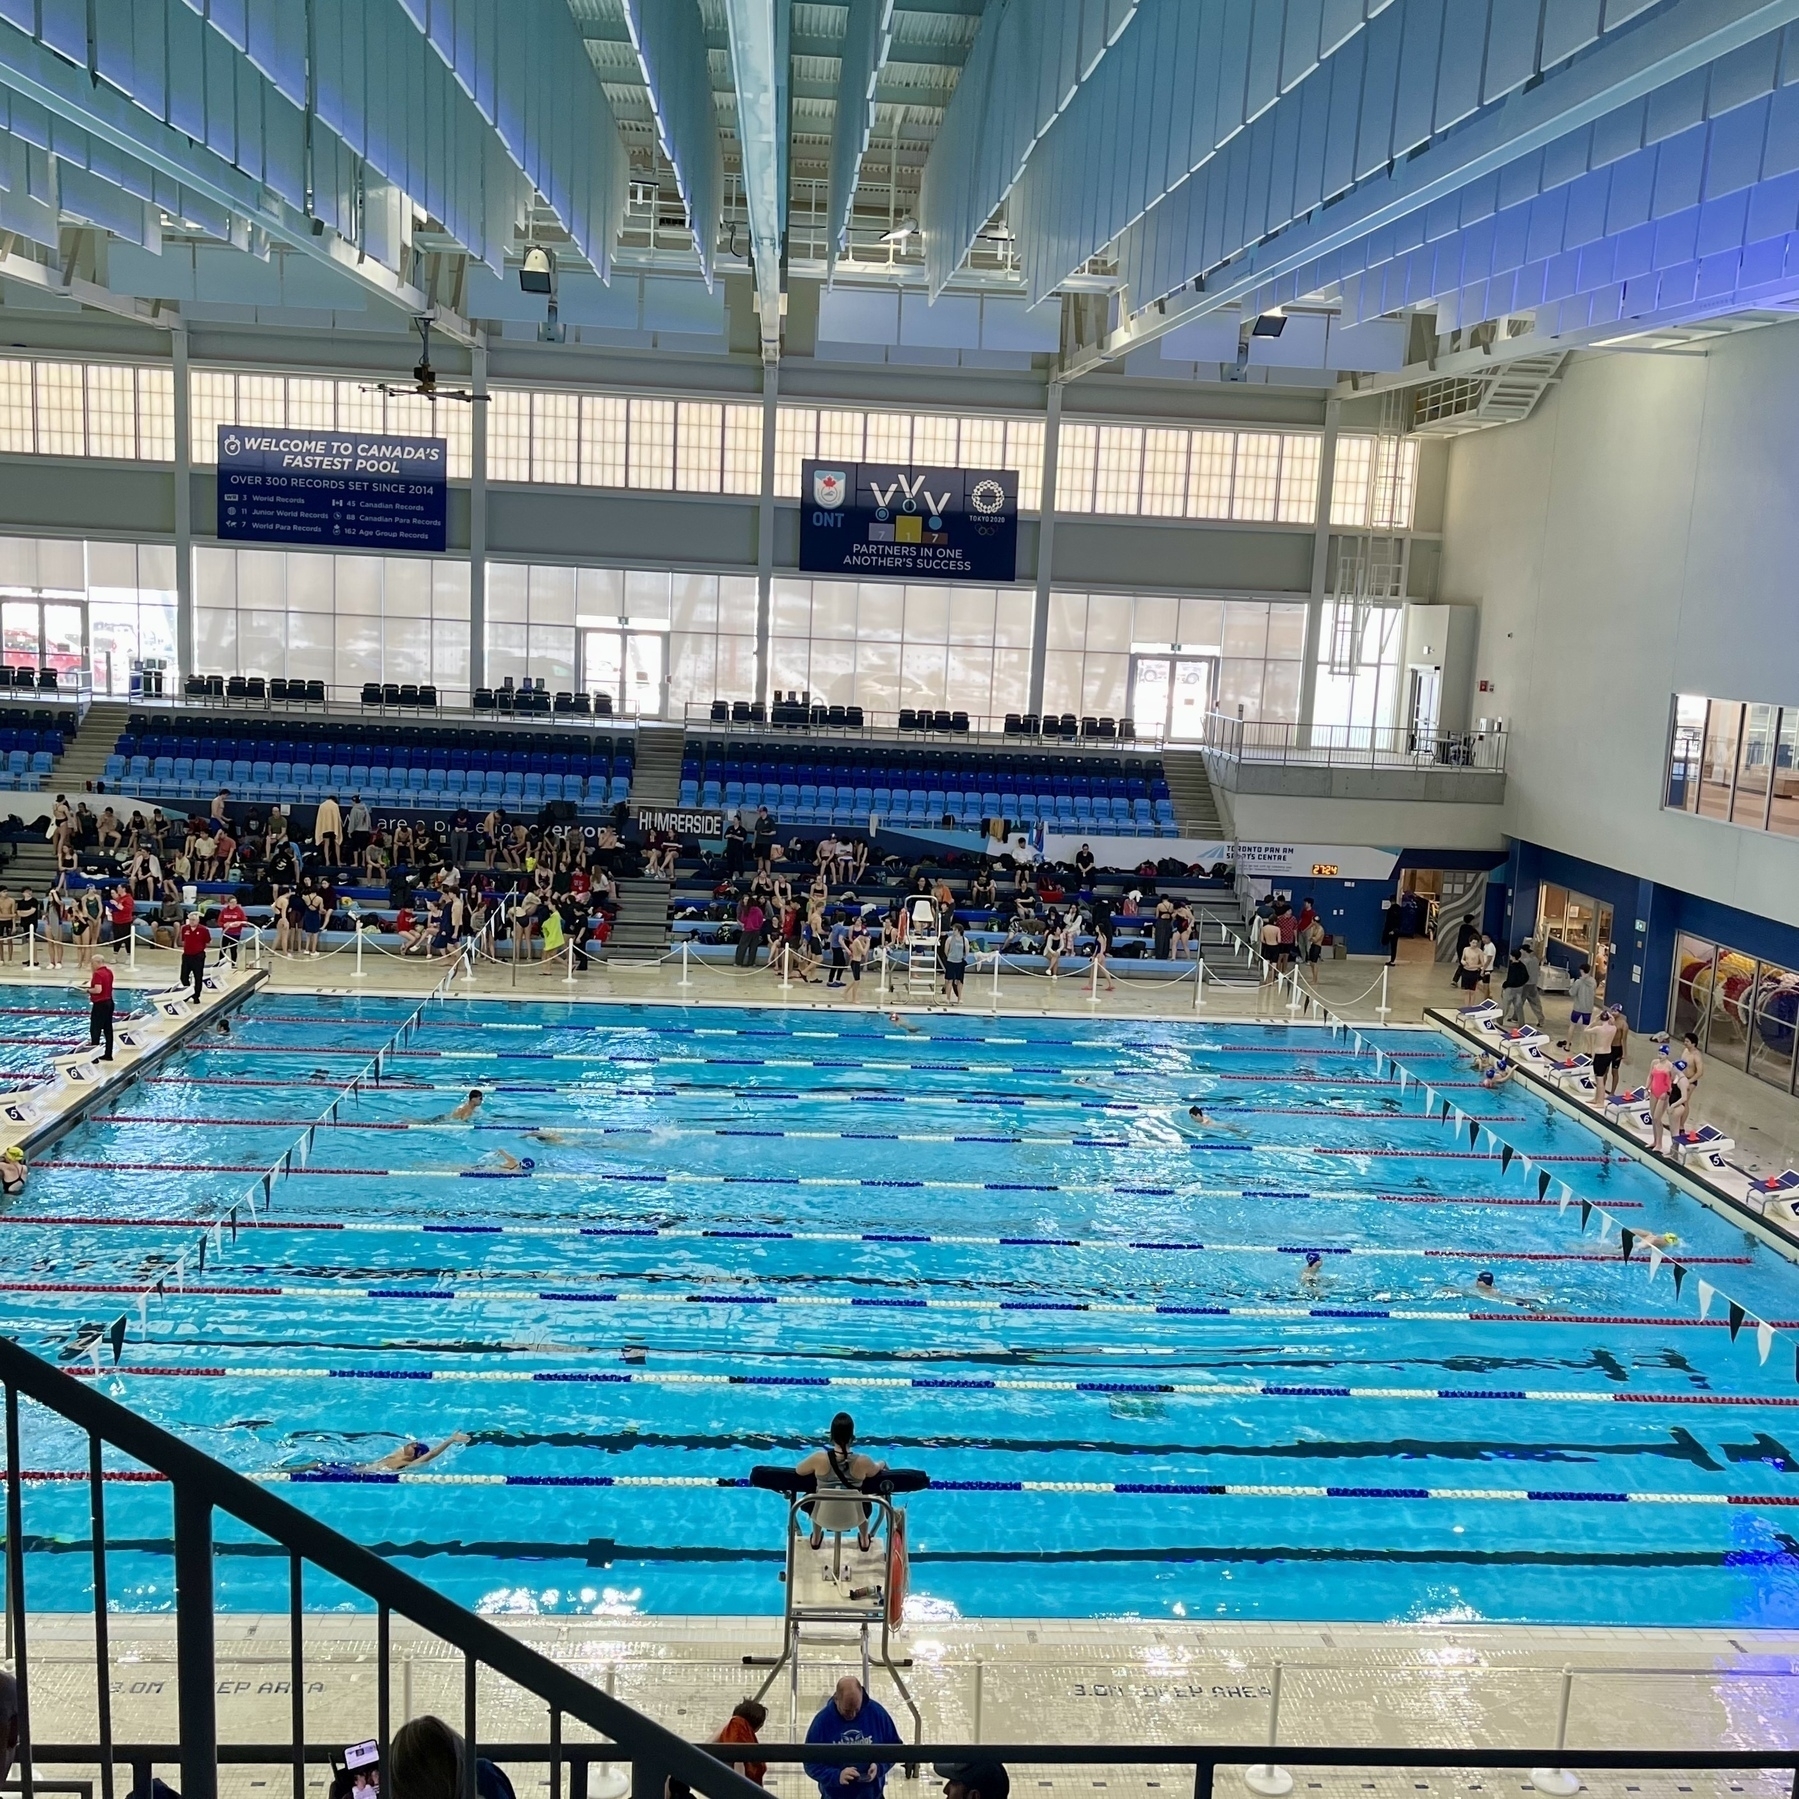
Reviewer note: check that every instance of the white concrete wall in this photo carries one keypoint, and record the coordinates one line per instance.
(1638, 535)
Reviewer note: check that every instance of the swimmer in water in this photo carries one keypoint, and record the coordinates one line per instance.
(1487, 1288)
(463, 1113)
(1495, 1071)
(1312, 1276)
(1201, 1117)
(894, 1018)
(507, 1162)
(410, 1455)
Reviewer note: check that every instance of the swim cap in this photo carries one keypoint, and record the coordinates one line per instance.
(14, 1153)
(1313, 1258)
(526, 1162)
(1484, 1278)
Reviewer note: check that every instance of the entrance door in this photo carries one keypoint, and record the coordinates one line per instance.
(36, 633)
(1423, 701)
(627, 666)
(1171, 695)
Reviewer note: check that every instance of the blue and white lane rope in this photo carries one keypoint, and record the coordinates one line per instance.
(1121, 1489)
(1105, 1389)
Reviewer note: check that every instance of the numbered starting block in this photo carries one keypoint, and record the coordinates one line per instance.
(1703, 1148)
(1774, 1185)
(1523, 1039)
(1631, 1110)
(1484, 1017)
(1573, 1074)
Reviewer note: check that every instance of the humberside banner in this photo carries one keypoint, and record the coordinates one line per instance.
(909, 524)
(363, 490)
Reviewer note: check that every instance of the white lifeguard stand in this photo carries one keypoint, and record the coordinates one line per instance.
(841, 1586)
(923, 930)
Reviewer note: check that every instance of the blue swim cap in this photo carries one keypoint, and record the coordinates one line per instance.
(527, 1162)
(1313, 1258)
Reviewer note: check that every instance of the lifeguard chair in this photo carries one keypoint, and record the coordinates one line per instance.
(838, 1584)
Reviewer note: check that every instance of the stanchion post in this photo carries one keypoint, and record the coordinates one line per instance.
(1093, 976)
(131, 943)
(1199, 984)
(1383, 1008)
(885, 985)
(359, 949)
(786, 967)
(686, 980)
(996, 982)
(568, 980)
(1561, 1782)
(31, 947)
(1266, 1778)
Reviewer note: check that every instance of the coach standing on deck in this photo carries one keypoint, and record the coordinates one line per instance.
(194, 941)
(99, 1018)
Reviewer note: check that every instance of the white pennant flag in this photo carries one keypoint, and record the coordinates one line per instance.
(1528, 1163)
(1605, 1224)
(1656, 1259)
(1401, 1079)
(1764, 1338)
(1705, 1299)
(93, 1350)
(143, 1313)
(181, 1275)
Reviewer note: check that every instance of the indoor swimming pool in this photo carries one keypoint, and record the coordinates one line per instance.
(673, 1241)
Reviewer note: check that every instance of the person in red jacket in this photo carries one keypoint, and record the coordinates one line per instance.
(194, 939)
(99, 1019)
(231, 929)
(121, 913)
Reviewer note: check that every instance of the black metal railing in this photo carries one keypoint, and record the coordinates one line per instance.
(201, 1486)
(1203, 1759)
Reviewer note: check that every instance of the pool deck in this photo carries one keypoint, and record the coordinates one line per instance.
(35, 1118)
(1035, 1680)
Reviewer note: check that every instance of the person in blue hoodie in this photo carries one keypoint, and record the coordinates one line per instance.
(851, 1716)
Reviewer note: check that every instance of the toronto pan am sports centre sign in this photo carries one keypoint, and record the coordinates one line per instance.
(879, 520)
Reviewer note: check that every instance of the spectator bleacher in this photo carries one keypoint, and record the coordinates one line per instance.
(191, 756)
(843, 784)
(30, 743)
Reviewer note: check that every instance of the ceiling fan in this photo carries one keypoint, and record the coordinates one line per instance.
(424, 377)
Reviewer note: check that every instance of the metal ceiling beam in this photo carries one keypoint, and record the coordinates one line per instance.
(1685, 38)
(670, 41)
(45, 280)
(29, 69)
(866, 41)
(759, 60)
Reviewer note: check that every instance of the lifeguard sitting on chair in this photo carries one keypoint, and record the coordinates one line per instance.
(840, 1469)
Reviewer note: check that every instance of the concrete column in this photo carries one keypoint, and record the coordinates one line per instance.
(1046, 542)
(765, 525)
(1321, 548)
(184, 508)
(477, 521)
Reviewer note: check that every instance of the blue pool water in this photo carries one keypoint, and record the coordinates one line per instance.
(993, 1241)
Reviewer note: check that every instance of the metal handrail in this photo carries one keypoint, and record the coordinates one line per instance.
(1350, 746)
(203, 1485)
(1205, 1759)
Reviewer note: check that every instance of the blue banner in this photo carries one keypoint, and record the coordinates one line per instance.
(906, 524)
(358, 490)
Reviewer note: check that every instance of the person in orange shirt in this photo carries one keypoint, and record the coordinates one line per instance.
(741, 1727)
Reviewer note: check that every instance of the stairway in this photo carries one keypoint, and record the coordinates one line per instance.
(656, 780)
(33, 863)
(1190, 787)
(641, 931)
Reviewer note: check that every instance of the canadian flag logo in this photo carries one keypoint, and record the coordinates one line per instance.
(828, 486)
